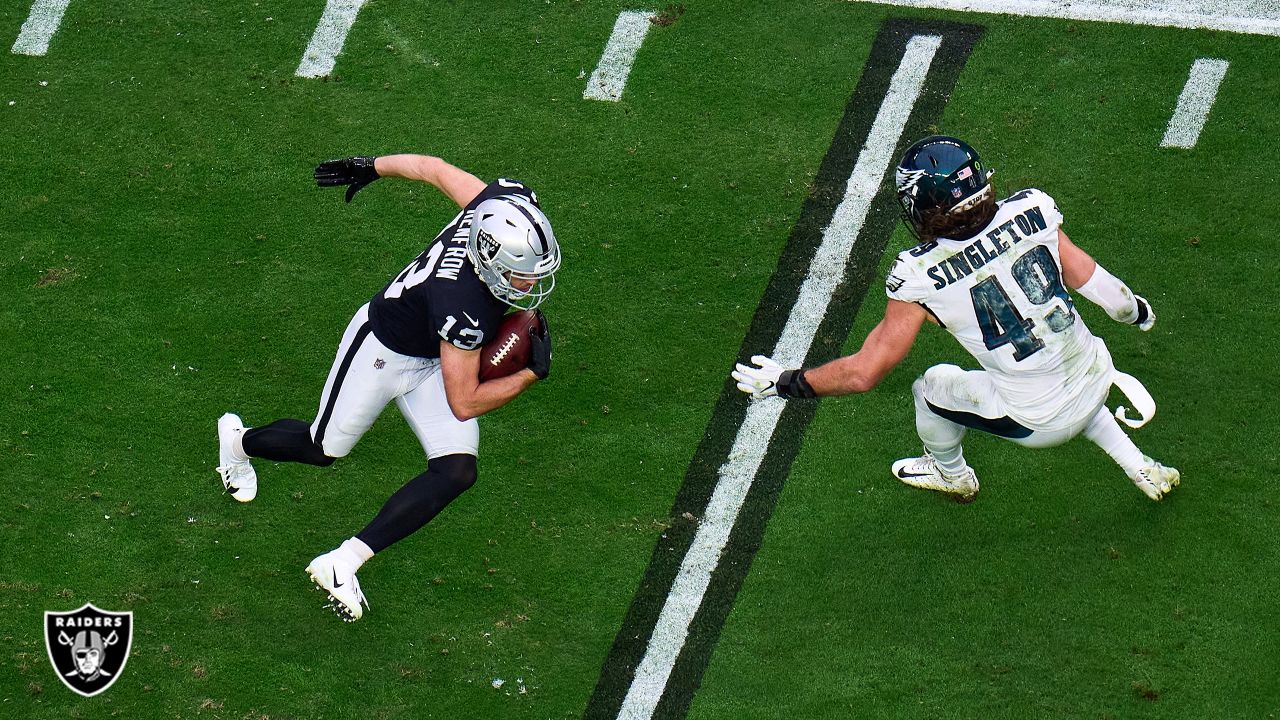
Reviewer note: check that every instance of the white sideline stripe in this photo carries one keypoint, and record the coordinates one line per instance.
(41, 24)
(1195, 102)
(751, 443)
(331, 34)
(610, 76)
(1254, 17)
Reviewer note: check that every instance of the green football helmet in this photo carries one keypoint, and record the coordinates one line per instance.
(943, 189)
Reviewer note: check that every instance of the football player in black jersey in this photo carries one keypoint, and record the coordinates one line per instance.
(416, 342)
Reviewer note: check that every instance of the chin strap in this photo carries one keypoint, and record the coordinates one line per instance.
(1138, 396)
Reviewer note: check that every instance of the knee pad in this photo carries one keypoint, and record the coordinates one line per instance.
(934, 377)
(459, 469)
(942, 373)
(315, 455)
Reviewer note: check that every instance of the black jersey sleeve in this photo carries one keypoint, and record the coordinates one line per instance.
(504, 186)
(464, 315)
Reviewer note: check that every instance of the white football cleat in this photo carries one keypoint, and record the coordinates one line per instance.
(1155, 480)
(238, 476)
(923, 472)
(332, 575)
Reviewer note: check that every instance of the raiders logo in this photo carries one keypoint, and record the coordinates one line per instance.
(88, 647)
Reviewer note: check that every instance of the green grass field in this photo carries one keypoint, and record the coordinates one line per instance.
(167, 259)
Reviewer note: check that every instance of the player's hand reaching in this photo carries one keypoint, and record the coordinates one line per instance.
(1146, 316)
(540, 349)
(760, 381)
(354, 172)
(766, 378)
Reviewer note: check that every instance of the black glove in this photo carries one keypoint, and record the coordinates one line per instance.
(540, 349)
(355, 172)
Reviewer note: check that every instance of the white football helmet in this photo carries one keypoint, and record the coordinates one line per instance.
(511, 239)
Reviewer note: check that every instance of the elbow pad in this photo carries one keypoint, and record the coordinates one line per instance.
(1109, 293)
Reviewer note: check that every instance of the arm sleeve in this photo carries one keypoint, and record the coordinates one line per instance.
(1109, 293)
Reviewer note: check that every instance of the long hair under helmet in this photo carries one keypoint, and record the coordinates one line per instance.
(943, 189)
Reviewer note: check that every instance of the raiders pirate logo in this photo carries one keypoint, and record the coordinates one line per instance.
(88, 647)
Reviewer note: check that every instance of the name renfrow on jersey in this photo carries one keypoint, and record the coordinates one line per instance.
(454, 258)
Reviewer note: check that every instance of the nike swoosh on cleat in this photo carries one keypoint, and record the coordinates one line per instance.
(336, 584)
(905, 475)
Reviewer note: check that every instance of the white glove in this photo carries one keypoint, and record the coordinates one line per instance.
(1150, 320)
(758, 382)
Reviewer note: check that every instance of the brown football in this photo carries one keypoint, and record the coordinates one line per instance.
(509, 351)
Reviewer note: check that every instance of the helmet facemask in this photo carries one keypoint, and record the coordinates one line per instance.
(511, 242)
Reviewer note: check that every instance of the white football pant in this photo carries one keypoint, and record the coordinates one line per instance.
(949, 400)
(365, 376)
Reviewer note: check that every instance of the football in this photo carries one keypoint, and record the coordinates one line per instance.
(509, 351)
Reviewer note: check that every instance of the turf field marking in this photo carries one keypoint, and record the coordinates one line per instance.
(751, 444)
(1195, 102)
(41, 24)
(1254, 17)
(331, 34)
(610, 76)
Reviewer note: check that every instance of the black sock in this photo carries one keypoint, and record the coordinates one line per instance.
(284, 441)
(420, 500)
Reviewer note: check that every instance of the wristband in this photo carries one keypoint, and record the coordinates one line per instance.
(792, 384)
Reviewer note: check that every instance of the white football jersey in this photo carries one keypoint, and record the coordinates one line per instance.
(1001, 294)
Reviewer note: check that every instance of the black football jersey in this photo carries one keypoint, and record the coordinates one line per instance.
(439, 296)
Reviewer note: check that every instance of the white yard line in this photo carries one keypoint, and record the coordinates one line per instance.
(610, 76)
(1194, 103)
(739, 471)
(1254, 17)
(331, 34)
(41, 24)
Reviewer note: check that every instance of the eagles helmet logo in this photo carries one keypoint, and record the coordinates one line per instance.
(88, 647)
(905, 182)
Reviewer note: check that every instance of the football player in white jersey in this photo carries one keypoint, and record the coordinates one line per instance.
(417, 342)
(995, 274)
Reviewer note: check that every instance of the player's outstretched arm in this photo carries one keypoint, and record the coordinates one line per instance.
(467, 396)
(886, 345)
(356, 172)
(1084, 275)
(884, 348)
(461, 186)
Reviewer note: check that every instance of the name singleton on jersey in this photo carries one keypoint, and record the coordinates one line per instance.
(986, 248)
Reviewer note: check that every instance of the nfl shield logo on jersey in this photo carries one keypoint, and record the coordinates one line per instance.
(88, 647)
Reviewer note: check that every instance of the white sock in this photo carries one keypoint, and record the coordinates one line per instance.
(941, 437)
(1105, 432)
(354, 552)
(237, 447)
